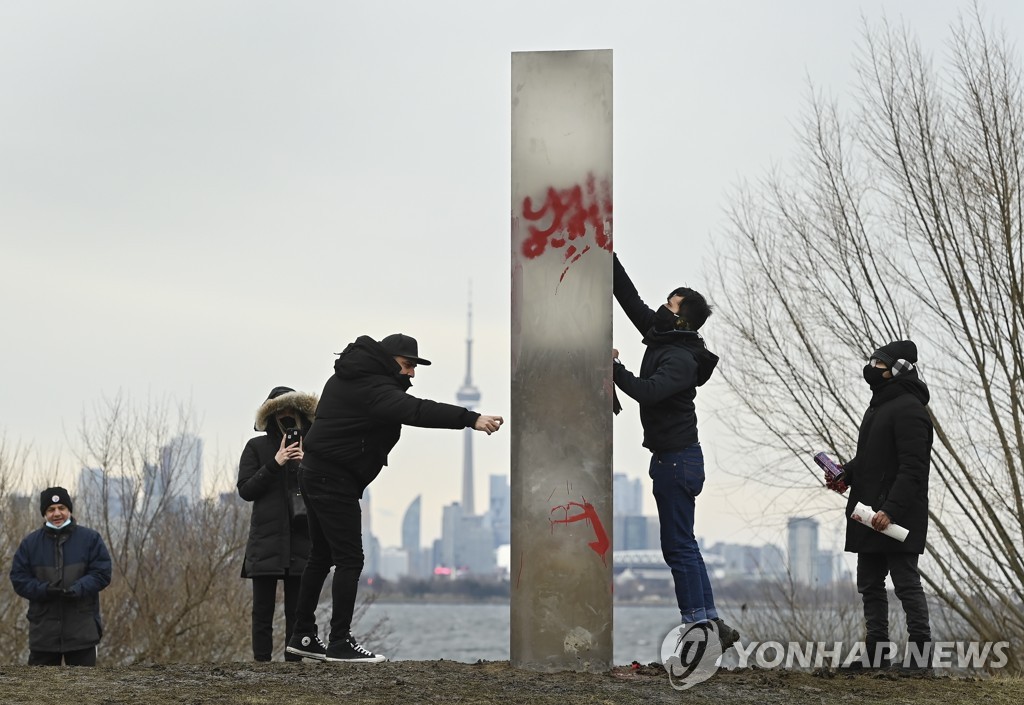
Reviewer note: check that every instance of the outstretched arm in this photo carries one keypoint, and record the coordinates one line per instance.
(397, 406)
(639, 313)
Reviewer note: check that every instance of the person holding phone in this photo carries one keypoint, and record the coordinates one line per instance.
(278, 529)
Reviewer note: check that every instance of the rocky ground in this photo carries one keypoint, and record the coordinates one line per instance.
(485, 682)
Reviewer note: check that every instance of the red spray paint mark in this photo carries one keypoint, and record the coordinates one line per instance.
(589, 514)
(573, 215)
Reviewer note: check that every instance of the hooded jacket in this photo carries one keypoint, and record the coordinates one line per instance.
(890, 471)
(675, 363)
(361, 412)
(278, 543)
(72, 558)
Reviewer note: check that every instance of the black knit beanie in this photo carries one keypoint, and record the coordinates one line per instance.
(899, 356)
(51, 496)
(898, 350)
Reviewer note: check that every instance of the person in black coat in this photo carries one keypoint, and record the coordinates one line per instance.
(676, 362)
(278, 531)
(358, 421)
(60, 569)
(889, 473)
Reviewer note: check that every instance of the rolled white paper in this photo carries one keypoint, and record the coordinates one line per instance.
(864, 515)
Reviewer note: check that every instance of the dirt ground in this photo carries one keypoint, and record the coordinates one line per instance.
(484, 682)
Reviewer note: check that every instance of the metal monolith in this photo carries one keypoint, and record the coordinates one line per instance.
(561, 480)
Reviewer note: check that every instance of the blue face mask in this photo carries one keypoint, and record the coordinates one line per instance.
(61, 527)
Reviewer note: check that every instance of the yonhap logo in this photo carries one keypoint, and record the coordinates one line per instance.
(690, 653)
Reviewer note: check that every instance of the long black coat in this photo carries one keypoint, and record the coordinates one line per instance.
(278, 542)
(890, 471)
(361, 412)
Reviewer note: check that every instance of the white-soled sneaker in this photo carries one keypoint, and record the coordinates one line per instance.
(307, 646)
(348, 650)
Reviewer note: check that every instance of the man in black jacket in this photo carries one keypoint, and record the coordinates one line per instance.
(890, 474)
(60, 569)
(675, 363)
(358, 421)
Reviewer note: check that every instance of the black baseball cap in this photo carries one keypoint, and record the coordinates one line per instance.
(404, 345)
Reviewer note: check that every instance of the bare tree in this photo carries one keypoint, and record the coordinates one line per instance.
(902, 218)
(15, 523)
(176, 594)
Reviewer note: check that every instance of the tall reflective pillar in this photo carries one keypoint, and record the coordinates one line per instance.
(561, 479)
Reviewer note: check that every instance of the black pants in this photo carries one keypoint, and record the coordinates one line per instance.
(871, 571)
(264, 602)
(336, 536)
(81, 657)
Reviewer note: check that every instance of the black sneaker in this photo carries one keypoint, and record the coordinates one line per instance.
(348, 650)
(307, 645)
(726, 634)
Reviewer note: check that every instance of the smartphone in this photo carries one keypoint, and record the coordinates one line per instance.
(293, 435)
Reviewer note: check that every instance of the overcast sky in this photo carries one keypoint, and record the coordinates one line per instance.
(203, 200)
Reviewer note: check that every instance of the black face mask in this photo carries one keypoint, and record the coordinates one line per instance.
(287, 422)
(873, 375)
(664, 320)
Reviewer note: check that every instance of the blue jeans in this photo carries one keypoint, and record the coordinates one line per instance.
(678, 479)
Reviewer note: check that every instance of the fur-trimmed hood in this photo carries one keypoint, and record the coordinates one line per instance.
(300, 402)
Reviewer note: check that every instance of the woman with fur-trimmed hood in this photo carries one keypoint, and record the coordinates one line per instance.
(278, 532)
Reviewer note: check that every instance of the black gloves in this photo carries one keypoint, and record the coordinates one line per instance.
(52, 593)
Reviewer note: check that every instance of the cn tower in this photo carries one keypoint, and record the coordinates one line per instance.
(468, 396)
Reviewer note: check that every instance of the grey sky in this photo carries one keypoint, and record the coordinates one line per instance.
(208, 199)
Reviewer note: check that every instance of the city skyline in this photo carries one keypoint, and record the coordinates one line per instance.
(295, 178)
(472, 542)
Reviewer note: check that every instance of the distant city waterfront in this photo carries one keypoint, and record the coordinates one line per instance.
(472, 632)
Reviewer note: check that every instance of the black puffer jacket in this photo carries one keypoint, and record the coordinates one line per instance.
(890, 470)
(675, 363)
(74, 558)
(360, 415)
(278, 542)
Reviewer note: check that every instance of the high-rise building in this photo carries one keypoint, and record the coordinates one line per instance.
(627, 496)
(419, 561)
(824, 567)
(803, 550)
(99, 494)
(468, 396)
(178, 476)
(631, 533)
(499, 513)
(773, 562)
(394, 563)
(411, 525)
(465, 545)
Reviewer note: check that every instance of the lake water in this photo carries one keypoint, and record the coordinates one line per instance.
(469, 632)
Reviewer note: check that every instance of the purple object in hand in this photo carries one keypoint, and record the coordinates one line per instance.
(833, 471)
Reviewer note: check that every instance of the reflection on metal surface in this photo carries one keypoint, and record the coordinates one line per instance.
(561, 609)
